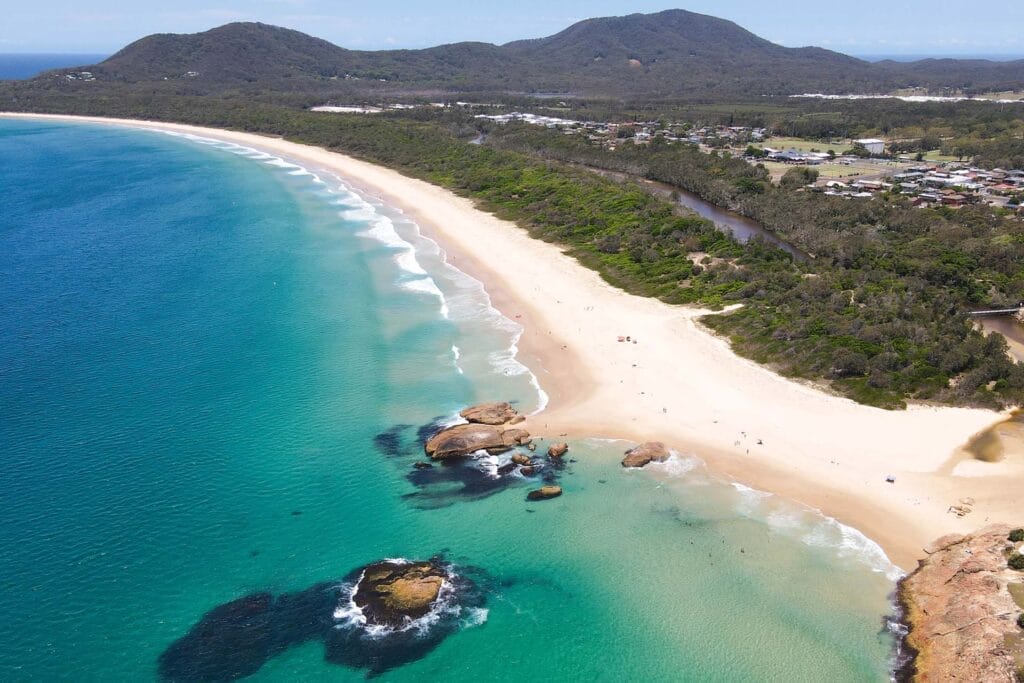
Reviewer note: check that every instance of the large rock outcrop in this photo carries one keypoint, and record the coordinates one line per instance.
(462, 440)
(391, 592)
(961, 615)
(495, 413)
(489, 429)
(651, 451)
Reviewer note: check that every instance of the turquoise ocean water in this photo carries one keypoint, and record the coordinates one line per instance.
(213, 367)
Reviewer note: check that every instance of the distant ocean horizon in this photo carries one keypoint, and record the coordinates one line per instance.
(918, 57)
(21, 66)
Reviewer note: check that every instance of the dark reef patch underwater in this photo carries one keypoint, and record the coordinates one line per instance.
(379, 617)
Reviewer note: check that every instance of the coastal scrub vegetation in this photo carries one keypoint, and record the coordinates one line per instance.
(1016, 561)
(879, 306)
(1016, 536)
(877, 312)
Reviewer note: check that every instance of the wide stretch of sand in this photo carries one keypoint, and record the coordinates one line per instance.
(682, 385)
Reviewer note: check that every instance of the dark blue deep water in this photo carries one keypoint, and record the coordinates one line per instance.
(18, 66)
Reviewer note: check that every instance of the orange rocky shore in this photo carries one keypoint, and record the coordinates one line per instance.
(963, 606)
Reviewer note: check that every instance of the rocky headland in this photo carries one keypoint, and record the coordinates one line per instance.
(961, 612)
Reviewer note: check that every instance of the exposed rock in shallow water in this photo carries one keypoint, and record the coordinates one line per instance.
(515, 437)
(651, 451)
(557, 450)
(462, 440)
(496, 413)
(392, 592)
(544, 492)
(960, 613)
(521, 459)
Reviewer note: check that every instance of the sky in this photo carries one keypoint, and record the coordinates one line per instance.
(866, 27)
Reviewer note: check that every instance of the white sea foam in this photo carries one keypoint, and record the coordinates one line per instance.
(475, 616)
(677, 464)
(851, 544)
(814, 529)
(414, 277)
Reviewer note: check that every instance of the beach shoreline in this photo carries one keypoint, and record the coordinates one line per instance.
(676, 382)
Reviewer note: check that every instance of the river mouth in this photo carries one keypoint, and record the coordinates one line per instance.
(991, 444)
(987, 446)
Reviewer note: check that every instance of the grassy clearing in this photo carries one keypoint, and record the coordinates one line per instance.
(836, 171)
(937, 156)
(839, 147)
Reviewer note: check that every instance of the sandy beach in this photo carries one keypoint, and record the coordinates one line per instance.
(676, 382)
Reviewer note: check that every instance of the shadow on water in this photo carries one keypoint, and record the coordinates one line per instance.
(441, 484)
(236, 639)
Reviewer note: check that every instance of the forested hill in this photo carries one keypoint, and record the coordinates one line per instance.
(674, 53)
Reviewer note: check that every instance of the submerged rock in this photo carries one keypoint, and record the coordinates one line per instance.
(236, 639)
(496, 413)
(420, 465)
(651, 451)
(557, 450)
(544, 492)
(391, 592)
(960, 613)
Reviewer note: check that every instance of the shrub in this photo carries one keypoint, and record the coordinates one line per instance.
(1017, 535)
(1020, 620)
(1016, 562)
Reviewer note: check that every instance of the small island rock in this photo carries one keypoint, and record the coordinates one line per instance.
(651, 451)
(521, 459)
(390, 591)
(544, 492)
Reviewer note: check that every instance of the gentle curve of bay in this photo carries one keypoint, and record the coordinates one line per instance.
(200, 345)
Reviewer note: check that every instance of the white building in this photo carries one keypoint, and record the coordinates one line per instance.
(872, 145)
